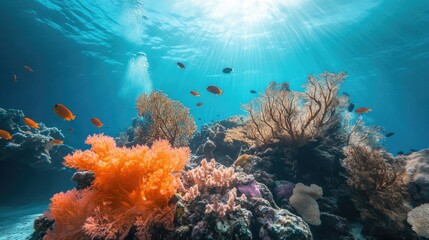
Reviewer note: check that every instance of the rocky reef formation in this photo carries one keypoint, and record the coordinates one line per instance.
(417, 166)
(211, 142)
(29, 145)
(300, 165)
(207, 206)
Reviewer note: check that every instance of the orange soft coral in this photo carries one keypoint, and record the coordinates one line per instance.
(130, 184)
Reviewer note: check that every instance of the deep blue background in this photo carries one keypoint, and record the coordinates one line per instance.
(81, 54)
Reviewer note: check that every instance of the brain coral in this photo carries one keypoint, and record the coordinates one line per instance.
(304, 201)
(418, 170)
(419, 220)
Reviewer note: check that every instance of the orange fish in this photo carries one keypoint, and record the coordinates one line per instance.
(31, 123)
(5, 135)
(96, 122)
(195, 93)
(215, 90)
(363, 110)
(63, 112)
(29, 69)
(199, 104)
(51, 144)
(57, 142)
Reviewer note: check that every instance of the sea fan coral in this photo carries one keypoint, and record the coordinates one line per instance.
(132, 186)
(283, 115)
(165, 119)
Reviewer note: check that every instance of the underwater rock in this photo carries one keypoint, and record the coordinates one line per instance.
(28, 145)
(417, 165)
(284, 190)
(279, 224)
(334, 227)
(210, 143)
(83, 179)
(129, 137)
(41, 226)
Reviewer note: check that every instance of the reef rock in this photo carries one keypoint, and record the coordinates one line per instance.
(29, 145)
(418, 170)
(210, 143)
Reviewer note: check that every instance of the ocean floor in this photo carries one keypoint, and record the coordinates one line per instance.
(16, 223)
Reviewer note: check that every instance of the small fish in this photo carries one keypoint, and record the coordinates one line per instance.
(177, 172)
(57, 141)
(195, 93)
(215, 90)
(63, 112)
(400, 153)
(413, 150)
(31, 123)
(351, 107)
(29, 69)
(181, 65)
(5, 135)
(252, 91)
(51, 144)
(14, 78)
(141, 54)
(199, 104)
(96, 122)
(363, 110)
(390, 134)
(227, 70)
(199, 119)
(71, 130)
(346, 94)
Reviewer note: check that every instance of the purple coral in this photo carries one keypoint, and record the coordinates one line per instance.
(251, 189)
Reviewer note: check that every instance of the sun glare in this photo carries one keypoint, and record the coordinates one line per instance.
(242, 11)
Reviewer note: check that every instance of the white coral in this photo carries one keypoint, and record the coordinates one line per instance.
(419, 220)
(304, 201)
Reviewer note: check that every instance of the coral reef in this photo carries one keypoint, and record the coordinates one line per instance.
(288, 141)
(29, 145)
(304, 130)
(165, 119)
(211, 208)
(417, 166)
(131, 189)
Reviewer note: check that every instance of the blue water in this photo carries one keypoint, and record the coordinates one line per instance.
(84, 55)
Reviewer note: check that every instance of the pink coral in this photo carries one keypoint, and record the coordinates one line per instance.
(220, 208)
(210, 176)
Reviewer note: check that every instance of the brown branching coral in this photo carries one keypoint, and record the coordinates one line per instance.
(378, 182)
(283, 115)
(167, 119)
